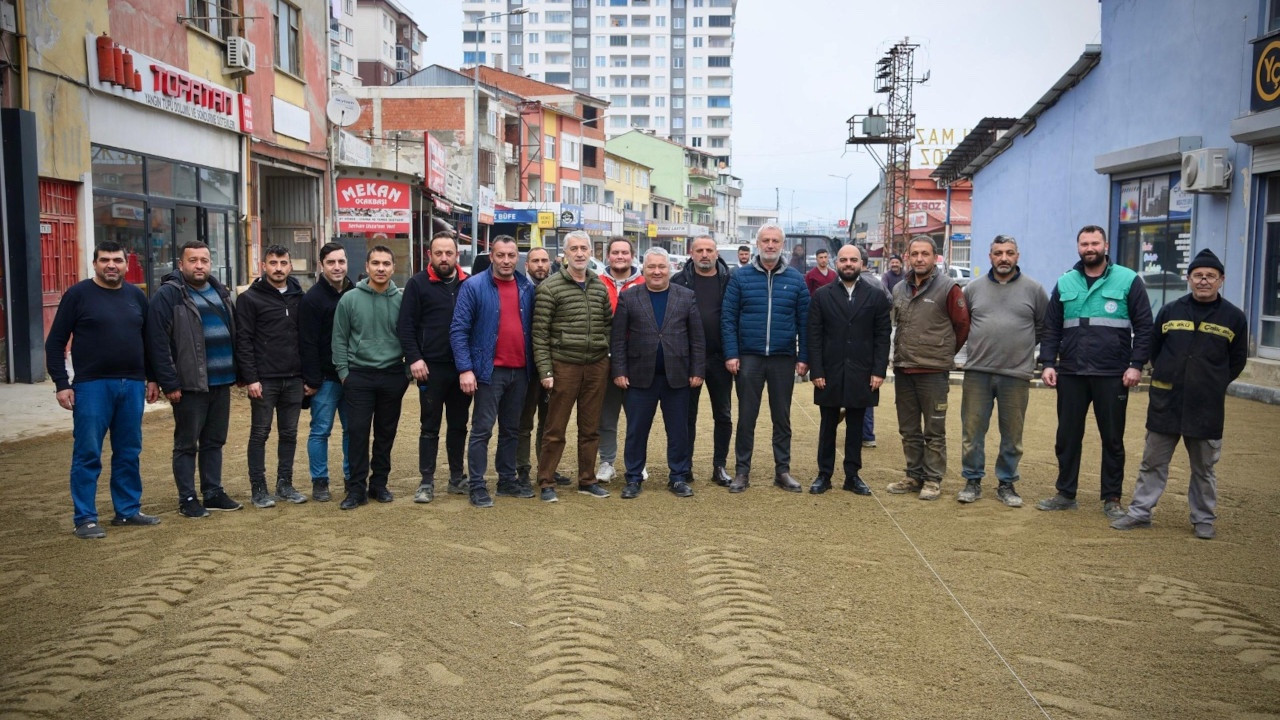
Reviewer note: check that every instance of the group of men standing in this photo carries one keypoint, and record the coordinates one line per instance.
(509, 347)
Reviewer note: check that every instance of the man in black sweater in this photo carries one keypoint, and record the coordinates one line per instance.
(320, 378)
(271, 368)
(423, 328)
(707, 275)
(107, 316)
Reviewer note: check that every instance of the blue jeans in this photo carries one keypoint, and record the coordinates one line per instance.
(981, 391)
(501, 400)
(869, 425)
(324, 404)
(642, 405)
(103, 405)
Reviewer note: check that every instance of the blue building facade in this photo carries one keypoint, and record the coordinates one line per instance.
(1105, 146)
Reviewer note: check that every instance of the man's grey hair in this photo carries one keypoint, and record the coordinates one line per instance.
(1004, 240)
(703, 236)
(577, 235)
(771, 226)
(924, 239)
(656, 251)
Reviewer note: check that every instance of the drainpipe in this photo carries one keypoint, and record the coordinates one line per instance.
(24, 91)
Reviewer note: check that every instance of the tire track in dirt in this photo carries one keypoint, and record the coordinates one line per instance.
(249, 634)
(57, 672)
(576, 673)
(1233, 626)
(759, 674)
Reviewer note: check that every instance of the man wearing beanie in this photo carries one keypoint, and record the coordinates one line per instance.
(1198, 348)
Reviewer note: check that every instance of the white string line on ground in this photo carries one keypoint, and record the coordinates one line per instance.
(938, 577)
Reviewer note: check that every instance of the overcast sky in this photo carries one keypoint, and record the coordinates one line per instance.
(803, 67)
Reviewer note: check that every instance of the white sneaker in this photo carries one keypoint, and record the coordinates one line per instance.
(605, 472)
(644, 472)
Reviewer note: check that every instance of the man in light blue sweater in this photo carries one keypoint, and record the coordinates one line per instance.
(1006, 314)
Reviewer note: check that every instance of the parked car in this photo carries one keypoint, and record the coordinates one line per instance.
(961, 274)
(678, 262)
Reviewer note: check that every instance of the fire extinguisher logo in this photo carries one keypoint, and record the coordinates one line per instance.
(115, 65)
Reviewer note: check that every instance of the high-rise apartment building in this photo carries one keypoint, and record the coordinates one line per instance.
(388, 42)
(665, 66)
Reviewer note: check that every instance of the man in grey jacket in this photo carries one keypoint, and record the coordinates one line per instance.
(1006, 319)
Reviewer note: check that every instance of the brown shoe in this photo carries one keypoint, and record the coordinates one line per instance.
(786, 482)
(931, 490)
(908, 485)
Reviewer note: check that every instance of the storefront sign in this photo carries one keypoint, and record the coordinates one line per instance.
(679, 230)
(933, 145)
(632, 221)
(570, 216)
(437, 165)
(546, 220)
(443, 205)
(522, 217)
(487, 201)
(651, 230)
(1265, 93)
(173, 90)
(373, 206)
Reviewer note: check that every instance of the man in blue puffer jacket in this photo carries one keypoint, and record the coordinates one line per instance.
(492, 339)
(763, 325)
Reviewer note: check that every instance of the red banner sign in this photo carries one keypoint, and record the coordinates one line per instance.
(366, 205)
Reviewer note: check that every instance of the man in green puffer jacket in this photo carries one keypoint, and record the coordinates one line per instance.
(572, 322)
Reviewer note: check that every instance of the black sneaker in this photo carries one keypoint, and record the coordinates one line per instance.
(260, 497)
(286, 492)
(320, 490)
(525, 489)
(220, 501)
(480, 498)
(506, 488)
(90, 531)
(382, 495)
(1008, 495)
(680, 489)
(592, 490)
(548, 495)
(631, 490)
(563, 479)
(192, 508)
(137, 519)
(352, 501)
(457, 486)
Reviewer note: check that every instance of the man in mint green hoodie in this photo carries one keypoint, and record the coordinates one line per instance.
(370, 363)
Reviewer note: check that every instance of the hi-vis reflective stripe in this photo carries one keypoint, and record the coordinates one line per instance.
(1161, 385)
(1097, 322)
(1218, 330)
(1210, 328)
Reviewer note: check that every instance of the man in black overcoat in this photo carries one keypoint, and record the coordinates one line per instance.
(848, 356)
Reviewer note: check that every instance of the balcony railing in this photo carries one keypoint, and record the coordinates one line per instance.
(698, 171)
(705, 198)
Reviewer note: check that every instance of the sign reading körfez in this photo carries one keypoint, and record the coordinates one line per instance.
(370, 205)
(437, 163)
(1265, 92)
(119, 71)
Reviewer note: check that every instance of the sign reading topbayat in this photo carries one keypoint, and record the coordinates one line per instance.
(167, 88)
(1265, 91)
(370, 205)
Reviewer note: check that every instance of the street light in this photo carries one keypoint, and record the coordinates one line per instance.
(475, 139)
(845, 178)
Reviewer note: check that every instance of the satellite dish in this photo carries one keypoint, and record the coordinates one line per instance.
(342, 110)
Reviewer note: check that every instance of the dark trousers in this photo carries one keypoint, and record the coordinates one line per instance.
(830, 422)
(1110, 400)
(719, 383)
(282, 398)
(200, 422)
(581, 385)
(499, 400)
(535, 405)
(441, 395)
(921, 400)
(641, 405)
(754, 373)
(373, 399)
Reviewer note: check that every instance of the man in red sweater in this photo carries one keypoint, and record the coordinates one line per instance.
(820, 275)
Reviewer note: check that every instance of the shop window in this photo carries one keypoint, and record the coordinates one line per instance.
(1269, 342)
(288, 54)
(1154, 236)
(173, 180)
(117, 170)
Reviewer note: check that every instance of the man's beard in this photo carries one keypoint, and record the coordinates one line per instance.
(849, 275)
(704, 264)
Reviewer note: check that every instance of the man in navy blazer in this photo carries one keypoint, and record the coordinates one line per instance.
(659, 353)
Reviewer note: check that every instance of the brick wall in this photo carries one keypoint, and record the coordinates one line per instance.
(413, 114)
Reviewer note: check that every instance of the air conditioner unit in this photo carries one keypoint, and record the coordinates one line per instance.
(241, 57)
(1206, 170)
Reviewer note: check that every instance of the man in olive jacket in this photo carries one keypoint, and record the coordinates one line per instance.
(849, 330)
(1200, 344)
(572, 319)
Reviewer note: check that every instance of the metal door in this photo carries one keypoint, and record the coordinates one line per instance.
(59, 243)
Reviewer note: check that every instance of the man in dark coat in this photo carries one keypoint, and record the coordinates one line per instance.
(1199, 345)
(658, 354)
(849, 329)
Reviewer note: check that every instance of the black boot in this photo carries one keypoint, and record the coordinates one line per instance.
(320, 490)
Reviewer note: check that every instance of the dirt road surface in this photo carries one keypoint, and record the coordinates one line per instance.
(760, 605)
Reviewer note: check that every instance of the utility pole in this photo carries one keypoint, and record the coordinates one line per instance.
(895, 128)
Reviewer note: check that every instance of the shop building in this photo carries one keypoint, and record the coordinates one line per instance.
(1179, 156)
